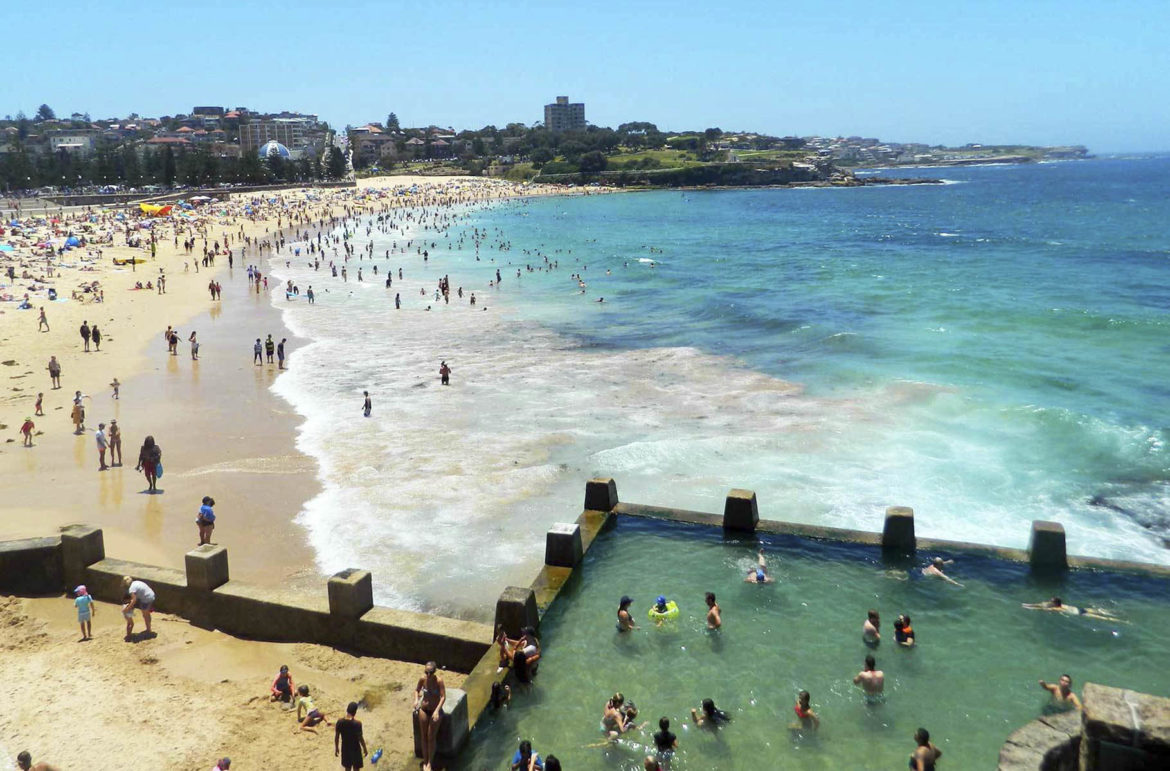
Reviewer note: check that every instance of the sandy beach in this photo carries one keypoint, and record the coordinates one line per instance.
(184, 699)
(223, 433)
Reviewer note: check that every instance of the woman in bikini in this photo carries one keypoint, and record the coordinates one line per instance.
(429, 695)
(926, 754)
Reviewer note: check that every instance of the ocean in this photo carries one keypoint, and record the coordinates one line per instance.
(989, 351)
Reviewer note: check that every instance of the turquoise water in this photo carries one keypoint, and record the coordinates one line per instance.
(989, 352)
(971, 680)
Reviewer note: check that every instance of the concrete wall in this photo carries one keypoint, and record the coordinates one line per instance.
(31, 566)
(343, 617)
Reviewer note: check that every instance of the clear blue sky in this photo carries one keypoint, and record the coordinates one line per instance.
(1031, 71)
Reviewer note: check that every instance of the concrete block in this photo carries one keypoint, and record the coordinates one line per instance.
(207, 567)
(740, 511)
(898, 531)
(453, 726)
(562, 545)
(81, 546)
(601, 494)
(1046, 548)
(32, 566)
(516, 609)
(351, 593)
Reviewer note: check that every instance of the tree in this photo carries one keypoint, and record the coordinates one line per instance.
(392, 123)
(335, 166)
(45, 112)
(169, 169)
(592, 161)
(540, 156)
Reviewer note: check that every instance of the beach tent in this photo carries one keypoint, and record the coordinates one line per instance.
(73, 241)
(153, 210)
(7, 248)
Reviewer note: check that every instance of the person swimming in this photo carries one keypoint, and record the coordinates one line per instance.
(1056, 605)
(759, 574)
(711, 716)
(935, 570)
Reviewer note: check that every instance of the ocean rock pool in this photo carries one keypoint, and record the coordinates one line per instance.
(971, 680)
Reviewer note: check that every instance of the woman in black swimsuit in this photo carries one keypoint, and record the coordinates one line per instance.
(430, 693)
(926, 755)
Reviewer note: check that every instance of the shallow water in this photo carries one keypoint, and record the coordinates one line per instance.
(988, 352)
(971, 680)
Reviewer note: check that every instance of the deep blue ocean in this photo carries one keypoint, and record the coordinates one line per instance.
(988, 351)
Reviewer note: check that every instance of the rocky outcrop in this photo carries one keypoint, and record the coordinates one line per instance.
(1121, 726)
(1050, 743)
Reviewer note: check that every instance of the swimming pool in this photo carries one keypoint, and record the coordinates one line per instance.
(971, 680)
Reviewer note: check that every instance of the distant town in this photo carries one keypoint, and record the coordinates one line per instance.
(219, 145)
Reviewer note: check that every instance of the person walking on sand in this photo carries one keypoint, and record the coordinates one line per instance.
(115, 435)
(348, 742)
(102, 444)
(206, 520)
(77, 415)
(280, 353)
(43, 321)
(55, 371)
(269, 348)
(96, 335)
(115, 385)
(444, 373)
(429, 695)
(85, 612)
(141, 597)
(149, 460)
(258, 353)
(26, 431)
(85, 335)
(38, 409)
(194, 346)
(367, 405)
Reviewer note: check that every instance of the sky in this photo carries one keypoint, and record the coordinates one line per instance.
(1027, 71)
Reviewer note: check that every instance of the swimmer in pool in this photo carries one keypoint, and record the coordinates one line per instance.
(1062, 694)
(759, 574)
(1057, 606)
(935, 570)
(625, 621)
(807, 719)
(871, 680)
(714, 615)
(869, 630)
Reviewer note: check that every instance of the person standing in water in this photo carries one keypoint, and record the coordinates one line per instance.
(1062, 693)
(444, 373)
(714, 615)
(926, 755)
(625, 621)
(871, 680)
(367, 406)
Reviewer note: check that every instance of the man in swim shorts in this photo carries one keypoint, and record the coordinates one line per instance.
(871, 679)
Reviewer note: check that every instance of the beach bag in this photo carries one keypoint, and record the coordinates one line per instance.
(158, 470)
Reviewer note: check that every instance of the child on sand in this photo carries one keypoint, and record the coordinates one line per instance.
(27, 430)
(115, 385)
(313, 716)
(282, 686)
(85, 612)
(37, 409)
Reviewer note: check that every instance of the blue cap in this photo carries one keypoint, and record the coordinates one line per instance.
(661, 600)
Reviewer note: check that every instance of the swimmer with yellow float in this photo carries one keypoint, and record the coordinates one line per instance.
(662, 610)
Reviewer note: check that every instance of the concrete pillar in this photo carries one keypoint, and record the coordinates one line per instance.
(601, 494)
(898, 531)
(81, 546)
(516, 609)
(351, 593)
(207, 567)
(453, 727)
(562, 545)
(1046, 548)
(740, 511)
